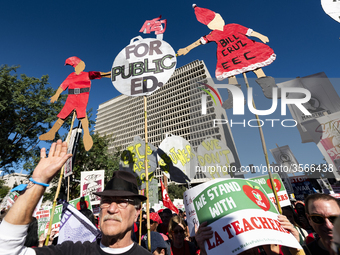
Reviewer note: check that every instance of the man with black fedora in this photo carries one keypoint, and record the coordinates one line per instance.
(120, 207)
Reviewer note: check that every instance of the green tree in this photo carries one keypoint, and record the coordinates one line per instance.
(3, 189)
(174, 191)
(25, 113)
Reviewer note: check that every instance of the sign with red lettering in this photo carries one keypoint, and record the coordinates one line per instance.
(92, 181)
(154, 25)
(264, 181)
(240, 214)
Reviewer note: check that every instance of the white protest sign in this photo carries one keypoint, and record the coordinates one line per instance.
(143, 66)
(282, 195)
(241, 216)
(214, 158)
(331, 8)
(181, 155)
(92, 181)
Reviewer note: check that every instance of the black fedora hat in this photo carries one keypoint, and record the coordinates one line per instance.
(122, 184)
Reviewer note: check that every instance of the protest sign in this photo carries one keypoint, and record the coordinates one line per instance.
(59, 208)
(241, 216)
(132, 160)
(43, 217)
(143, 66)
(76, 227)
(302, 186)
(325, 186)
(264, 181)
(71, 138)
(324, 100)
(285, 157)
(325, 133)
(177, 157)
(92, 181)
(331, 8)
(12, 197)
(214, 158)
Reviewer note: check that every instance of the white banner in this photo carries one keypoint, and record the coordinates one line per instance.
(325, 132)
(76, 227)
(285, 157)
(324, 100)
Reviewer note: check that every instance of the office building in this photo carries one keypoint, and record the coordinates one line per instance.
(173, 109)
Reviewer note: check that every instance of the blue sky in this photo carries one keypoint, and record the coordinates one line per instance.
(40, 35)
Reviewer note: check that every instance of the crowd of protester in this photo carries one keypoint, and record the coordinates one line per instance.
(314, 222)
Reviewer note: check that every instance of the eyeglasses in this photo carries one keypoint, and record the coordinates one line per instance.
(335, 247)
(176, 232)
(122, 203)
(320, 219)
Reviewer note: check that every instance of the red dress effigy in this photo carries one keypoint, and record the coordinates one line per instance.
(236, 53)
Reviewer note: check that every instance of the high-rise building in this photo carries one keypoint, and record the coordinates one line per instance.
(175, 108)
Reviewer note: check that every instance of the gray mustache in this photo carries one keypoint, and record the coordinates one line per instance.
(112, 217)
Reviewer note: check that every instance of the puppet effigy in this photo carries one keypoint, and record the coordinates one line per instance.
(236, 53)
(78, 84)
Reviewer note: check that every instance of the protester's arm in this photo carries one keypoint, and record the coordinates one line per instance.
(13, 228)
(203, 233)
(22, 210)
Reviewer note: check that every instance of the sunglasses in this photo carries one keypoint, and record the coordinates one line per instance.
(336, 247)
(176, 232)
(320, 219)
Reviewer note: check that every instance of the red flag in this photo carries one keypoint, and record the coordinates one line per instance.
(166, 199)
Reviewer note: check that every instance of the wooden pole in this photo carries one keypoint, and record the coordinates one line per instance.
(68, 188)
(140, 225)
(58, 188)
(147, 174)
(264, 150)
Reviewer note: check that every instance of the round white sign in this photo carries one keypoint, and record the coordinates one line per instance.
(143, 66)
(332, 8)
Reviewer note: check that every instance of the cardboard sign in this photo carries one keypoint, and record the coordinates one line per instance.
(92, 181)
(325, 133)
(214, 158)
(43, 217)
(143, 66)
(264, 181)
(241, 217)
(177, 157)
(132, 160)
(285, 157)
(331, 8)
(302, 186)
(59, 209)
(324, 100)
(68, 164)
